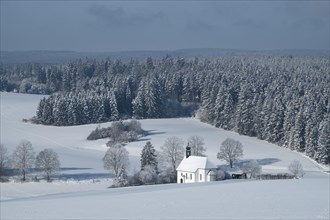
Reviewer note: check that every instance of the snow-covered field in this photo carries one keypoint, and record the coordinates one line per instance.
(82, 190)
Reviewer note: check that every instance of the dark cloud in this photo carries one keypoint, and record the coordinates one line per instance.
(118, 17)
(167, 25)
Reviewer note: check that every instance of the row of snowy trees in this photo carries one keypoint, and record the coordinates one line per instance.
(284, 100)
(156, 167)
(77, 108)
(23, 159)
(160, 167)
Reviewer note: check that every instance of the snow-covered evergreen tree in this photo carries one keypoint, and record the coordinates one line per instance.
(138, 104)
(227, 113)
(149, 156)
(323, 149)
(153, 98)
(311, 134)
(299, 133)
(60, 111)
(113, 107)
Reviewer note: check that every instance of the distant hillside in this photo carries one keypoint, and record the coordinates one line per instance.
(10, 57)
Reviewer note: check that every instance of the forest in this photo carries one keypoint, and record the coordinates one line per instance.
(281, 99)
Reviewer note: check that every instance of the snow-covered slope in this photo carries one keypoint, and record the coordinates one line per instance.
(277, 199)
(76, 152)
(82, 160)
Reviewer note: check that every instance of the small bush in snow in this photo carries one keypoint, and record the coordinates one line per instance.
(296, 169)
(167, 176)
(148, 175)
(275, 176)
(252, 168)
(220, 175)
(134, 180)
(121, 181)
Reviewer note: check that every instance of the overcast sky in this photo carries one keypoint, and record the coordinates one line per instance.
(163, 25)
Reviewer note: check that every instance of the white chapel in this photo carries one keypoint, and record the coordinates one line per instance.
(194, 169)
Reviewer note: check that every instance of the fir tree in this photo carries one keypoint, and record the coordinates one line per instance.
(299, 133)
(323, 150)
(149, 157)
(113, 107)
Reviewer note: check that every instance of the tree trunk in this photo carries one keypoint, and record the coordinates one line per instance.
(23, 175)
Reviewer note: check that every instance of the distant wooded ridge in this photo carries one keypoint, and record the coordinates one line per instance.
(52, 56)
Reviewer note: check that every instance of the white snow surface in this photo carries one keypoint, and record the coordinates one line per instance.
(82, 193)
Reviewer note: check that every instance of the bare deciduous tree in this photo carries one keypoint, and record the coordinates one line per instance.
(296, 169)
(4, 160)
(197, 145)
(47, 161)
(172, 152)
(116, 160)
(23, 158)
(252, 168)
(230, 151)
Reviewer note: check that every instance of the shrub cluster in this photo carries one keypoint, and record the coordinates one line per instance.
(118, 132)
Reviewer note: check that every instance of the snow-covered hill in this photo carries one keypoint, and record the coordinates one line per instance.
(240, 199)
(82, 160)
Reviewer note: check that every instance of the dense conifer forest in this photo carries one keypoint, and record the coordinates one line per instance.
(281, 99)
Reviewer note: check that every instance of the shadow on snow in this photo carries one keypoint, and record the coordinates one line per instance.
(85, 176)
(239, 165)
(154, 132)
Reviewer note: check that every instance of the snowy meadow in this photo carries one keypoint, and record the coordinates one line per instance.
(81, 188)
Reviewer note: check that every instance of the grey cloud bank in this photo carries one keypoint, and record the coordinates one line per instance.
(163, 25)
(118, 17)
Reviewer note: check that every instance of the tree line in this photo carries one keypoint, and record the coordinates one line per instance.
(23, 159)
(160, 167)
(156, 167)
(282, 99)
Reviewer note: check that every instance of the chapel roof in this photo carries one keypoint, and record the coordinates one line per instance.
(192, 163)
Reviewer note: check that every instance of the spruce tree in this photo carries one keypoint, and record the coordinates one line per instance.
(149, 157)
(323, 150)
(113, 107)
(227, 113)
(138, 104)
(299, 133)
